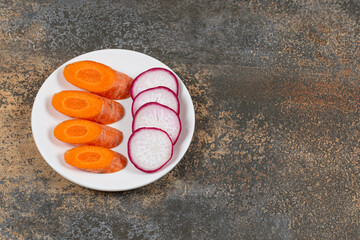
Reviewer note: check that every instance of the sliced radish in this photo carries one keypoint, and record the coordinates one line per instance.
(154, 77)
(149, 149)
(158, 116)
(162, 95)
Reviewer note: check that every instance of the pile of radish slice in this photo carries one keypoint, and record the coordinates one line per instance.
(156, 124)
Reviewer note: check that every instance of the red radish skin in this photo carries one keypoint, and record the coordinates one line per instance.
(149, 137)
(158, 116)
(154, 77)
(162, 95)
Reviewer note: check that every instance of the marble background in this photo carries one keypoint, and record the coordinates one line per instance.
(276, 91)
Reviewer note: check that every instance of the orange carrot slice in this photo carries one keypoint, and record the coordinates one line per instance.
(99, 79)
(84, 105)
(95, 159)
(84, 132)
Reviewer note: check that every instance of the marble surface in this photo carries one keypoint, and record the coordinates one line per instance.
(276, 91)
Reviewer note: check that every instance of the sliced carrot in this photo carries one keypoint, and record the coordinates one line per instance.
(84, 132)
(95, 159)
(99, 79)
(84, 105)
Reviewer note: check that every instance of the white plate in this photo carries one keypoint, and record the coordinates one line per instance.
(44, 119)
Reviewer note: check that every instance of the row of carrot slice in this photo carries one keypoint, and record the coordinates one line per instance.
(92, 111)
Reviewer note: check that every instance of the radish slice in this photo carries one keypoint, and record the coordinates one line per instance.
(154, 77)
(158, 116)
(160, 95)
(149, 149)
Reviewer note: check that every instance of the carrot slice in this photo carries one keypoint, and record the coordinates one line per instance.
(95, 159)
(84, 132)
(99, 79)
(84, 105)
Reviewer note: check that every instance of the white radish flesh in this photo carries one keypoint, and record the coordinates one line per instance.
(149, 149)
(158, 116)
(154, 77)
(160, 95)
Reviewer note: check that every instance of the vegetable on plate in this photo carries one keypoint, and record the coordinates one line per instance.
(158, 116)
(84, 105)
(84, 132)
(95, 159)
(154, 77)
(99, 79)
(162, 95)
(150, 149)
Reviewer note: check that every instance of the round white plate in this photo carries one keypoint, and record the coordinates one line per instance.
(44, 119)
